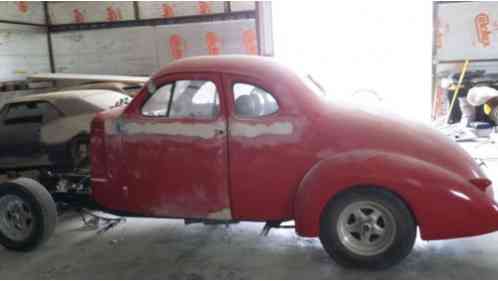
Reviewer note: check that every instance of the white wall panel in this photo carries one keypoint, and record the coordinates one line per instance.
(32, 12)
(185, 40)
(142, 50)
(23, 50)
(243, 5)
(81, 12)
(467, 31)
(167, 9)
(106, 51)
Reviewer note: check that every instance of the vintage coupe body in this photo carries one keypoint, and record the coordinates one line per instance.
(50, 131)
(244, 138)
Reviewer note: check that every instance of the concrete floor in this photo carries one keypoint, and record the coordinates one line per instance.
(166, 249)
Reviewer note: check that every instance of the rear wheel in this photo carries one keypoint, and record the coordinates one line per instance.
(367, 227)
(27, 214)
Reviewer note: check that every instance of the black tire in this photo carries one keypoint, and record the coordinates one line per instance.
(401, 237)
(42, 209)
(76, 159)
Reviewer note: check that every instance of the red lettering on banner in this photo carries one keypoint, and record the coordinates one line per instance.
(78, 17)
(204, 8)
(176, 46)
(168, 11)
(22, 6)
(250, 41)
(213, 43)
(113, 14)
(482, 29)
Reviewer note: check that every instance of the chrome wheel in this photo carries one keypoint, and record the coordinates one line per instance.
(16, 218)
(366, 228)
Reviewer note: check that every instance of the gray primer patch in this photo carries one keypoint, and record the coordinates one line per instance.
(63, 129)
(251, 131)
(205, 131)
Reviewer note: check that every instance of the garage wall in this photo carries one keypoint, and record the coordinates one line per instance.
(116, 51)
(167, 9)
(464, 31)
(213, 38)
(84, 12)
(87, 12)
(23, 51)
(23, 48)
(143, 50)
(467, 31)
(23, 11)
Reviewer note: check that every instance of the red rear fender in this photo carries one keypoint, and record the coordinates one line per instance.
(444, 204)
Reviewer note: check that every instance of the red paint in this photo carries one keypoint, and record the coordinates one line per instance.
(332, 147)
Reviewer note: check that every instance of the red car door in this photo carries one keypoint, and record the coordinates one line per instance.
(268, 158)
(176, 149)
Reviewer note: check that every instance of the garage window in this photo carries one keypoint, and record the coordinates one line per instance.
(252, 101)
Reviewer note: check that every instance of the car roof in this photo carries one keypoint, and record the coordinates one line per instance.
(250, 65)
(69, 102)
(130, 89)
(54, 96)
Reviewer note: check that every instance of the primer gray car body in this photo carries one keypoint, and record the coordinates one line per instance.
(37, 131)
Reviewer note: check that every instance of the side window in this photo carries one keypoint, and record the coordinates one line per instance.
(195, 98)
(29, 112)
(48, 111)
(157, 104)
(252, 101)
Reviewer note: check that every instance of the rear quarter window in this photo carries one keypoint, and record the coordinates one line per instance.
(253, 101)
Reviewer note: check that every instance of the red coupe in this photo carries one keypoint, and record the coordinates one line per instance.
(244, 138)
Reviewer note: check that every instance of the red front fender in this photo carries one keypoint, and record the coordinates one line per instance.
(444, 204)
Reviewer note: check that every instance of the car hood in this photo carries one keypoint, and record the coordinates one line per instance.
(353, 129)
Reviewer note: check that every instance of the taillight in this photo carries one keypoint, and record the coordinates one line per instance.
(481, 183)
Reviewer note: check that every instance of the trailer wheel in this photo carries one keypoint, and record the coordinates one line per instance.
(28, 214)
(367, 227)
